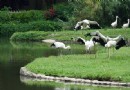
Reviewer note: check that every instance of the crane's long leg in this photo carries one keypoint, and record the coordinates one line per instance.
(95, 51)
(108, 52)
(113, 50)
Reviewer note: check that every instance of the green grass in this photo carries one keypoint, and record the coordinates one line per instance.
(115, 68)
(66, 34)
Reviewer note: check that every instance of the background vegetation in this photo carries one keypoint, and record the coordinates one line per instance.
(103, 11)
(32, 20)
(63, 16)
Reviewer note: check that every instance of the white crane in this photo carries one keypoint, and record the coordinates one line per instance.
(115, 43)
(126, 25)
(89, 44)
(60, 45)
(86, 24)
(110, 44)
(114, 24)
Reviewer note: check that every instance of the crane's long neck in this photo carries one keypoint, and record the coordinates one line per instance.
(114, 39)
(117, 38)
(102, 36)
(83, 40)
(128, 21)
(116, 19)
(66, 47)
(92, 40)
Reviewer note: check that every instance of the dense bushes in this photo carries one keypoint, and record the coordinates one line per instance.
(21, 16)
(10, 28)
(32, 20)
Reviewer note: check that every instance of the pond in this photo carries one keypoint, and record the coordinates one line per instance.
(14, 55)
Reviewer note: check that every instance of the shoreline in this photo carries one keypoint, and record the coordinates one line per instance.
(29, 74)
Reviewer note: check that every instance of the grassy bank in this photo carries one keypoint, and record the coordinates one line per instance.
(115, 68)
(65, 35)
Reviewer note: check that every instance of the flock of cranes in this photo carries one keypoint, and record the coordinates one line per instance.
(104, 41)
(87, 24)
(96, 37)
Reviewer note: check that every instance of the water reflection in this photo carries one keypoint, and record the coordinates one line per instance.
(66, 86)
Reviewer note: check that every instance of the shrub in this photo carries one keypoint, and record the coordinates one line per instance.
(9, 28)
(5, 8)
(21, 16)
(45, 26)
(60, 11)
(50, 14)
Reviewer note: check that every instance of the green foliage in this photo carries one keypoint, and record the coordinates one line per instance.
(63, 11)
(32, 20)
(56, 12)
(9, 28)
(21, 16)
(5, 8)
(50, 14)
(45, 26)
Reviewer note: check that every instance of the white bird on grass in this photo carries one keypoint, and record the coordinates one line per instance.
(60, 45)
(114, 24)
(115, 43)
(87, 24)
(110, 44)
(84, 24)
(89, 44)
(126, 25)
